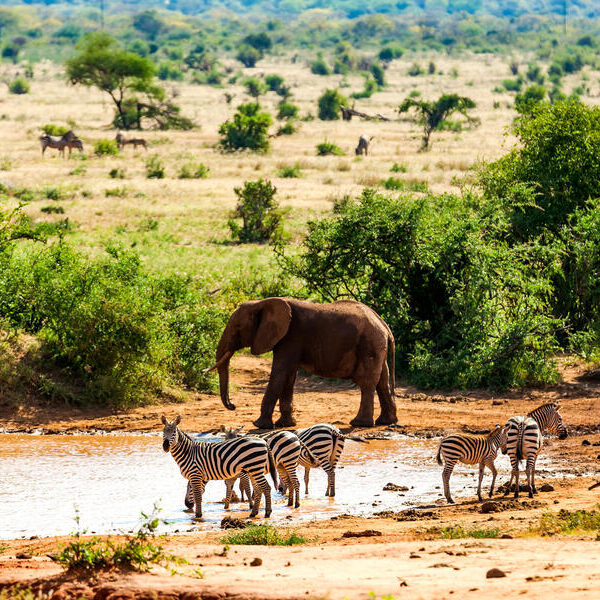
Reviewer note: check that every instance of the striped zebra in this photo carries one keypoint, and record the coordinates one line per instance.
(245, 491)
(324, 444)
(52, 141)
(469, 449)
(200, 462)
(523, 441)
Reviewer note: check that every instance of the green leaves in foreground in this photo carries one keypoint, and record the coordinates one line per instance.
(262, 535)
(454, 532)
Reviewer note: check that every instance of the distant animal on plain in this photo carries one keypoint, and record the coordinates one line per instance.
(135, 142)
(363, 145)
(53, 141)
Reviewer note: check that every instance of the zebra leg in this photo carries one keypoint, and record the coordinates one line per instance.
(261, 486)
(490, 465)
(245, 487)
(283, 476)
(533, 475)
(448, 468)
(295, 485)
(481, 470)
(229, 483)
(306, 476)
(529, 473)
(516, 473)
(189, 497)
(198, 488)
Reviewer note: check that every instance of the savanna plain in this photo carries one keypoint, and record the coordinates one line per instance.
(548, 545)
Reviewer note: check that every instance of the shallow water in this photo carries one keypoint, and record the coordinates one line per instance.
(110, 479)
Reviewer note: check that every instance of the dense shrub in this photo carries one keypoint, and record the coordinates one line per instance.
(52, 129)
(319, 67)
(154, 167)
(529, 99)
(248, 130)
(104, 147)
(193, 171)
(259, 211)
(465, 310)
(378, 74)
(287, 110)
(329, 105)
(248, 55)
(389, 53)
(274, 82)
(18, 86)
(255, 87)
(327, 148)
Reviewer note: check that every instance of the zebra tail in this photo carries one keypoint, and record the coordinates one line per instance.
(272, 468)
(439, 456)
(312, 457)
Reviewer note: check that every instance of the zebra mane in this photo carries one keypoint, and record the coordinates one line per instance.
(554, 405)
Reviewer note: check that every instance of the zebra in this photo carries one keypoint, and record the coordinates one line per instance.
(245, 489)
(200, 462)
(72, 141)
(469, 449)
(52, 141)
(286, 447)
(523, 440)
(135, 142)
(324, 444)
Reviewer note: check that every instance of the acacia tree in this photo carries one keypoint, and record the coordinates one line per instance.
(432, 114)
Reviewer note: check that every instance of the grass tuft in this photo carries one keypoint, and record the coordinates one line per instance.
(566, 521)
(454, 532)
(262, 535)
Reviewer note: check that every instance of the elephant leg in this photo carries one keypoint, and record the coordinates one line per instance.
(280, 372)
(364, 418)
(286, 405)
(386, 401)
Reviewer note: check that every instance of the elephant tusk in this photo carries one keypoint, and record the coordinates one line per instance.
(223, 359)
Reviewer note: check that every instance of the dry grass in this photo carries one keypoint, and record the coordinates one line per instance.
(191, 214)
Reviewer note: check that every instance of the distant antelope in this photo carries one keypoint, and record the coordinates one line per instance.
(363, 145)
(135, 142)
(53, 141)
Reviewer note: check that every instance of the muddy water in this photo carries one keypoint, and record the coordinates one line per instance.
(109, 479)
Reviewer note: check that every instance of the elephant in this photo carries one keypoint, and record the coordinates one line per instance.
(343, 339)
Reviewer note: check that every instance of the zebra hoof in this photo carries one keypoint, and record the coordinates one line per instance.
(297, 505)
(267, 514)
(450, 501)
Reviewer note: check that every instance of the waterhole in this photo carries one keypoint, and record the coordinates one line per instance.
(107, 480)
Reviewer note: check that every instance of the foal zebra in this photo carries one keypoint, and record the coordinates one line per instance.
(523, 440)
(324, 444)
(469, 449)
(200, 462)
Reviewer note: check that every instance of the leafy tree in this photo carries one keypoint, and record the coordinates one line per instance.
(389, 53)
(148, 22)
(248, 130)
(261, 41)
(199, 59)
(248, 55)
(432, 114)
(259, 211)
(378, 74)
(529, 99)
(101, 63)
(329, 105)
(255, 87)
(274, 82)
(319, 67)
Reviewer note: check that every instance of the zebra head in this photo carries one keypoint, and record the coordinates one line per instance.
(555, 423)
(495, 436)
(503, 439)
(170, 432)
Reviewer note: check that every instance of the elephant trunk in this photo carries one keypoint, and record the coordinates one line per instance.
(224, 383)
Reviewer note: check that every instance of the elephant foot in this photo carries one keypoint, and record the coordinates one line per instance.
(263, 423)
(285, 422)
(386, 420)
(356, 422)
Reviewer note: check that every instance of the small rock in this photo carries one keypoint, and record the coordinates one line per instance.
(493, 573)
(490, 506)
(233, 523)
(392, 487)
(586, 443)
(365, 533)
(22, 556)
(497, 402)
(547, 487)
(256, 562)
(506, 536)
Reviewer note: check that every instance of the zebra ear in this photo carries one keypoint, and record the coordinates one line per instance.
(164, 420)
(177, 420)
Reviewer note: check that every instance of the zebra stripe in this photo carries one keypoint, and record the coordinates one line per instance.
(548, 417)
(200, 462)
(469, 449)
(522, 439)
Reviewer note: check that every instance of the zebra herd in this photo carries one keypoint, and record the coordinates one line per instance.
(249, 457)
(520, 438)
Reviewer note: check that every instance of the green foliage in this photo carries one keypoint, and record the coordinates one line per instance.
(398, 168)
(290, 171)
(167, 71)
(255, 87)
(104, 147)
(51, 129)
(19, 85)
(529, 99)
(319, 67)
(534, 74)
(138, 552)
(261, 41)
(248, 130)
(287, 129)
(415, 70)
(117, 173)
(393, 183)
(513, 85)
(329, 105)
(466, 310)
(566, 521)
(262, 535)
(369, 89)
(275, 83)
(259, 211)
(432, 114)
(327, 149)
(193, 171)
(287, 110)
(378, 74)
(389, 53)
(248, 55)
(454, 532)
(154, 167)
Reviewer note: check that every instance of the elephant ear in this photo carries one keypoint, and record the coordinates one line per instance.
(274, 316)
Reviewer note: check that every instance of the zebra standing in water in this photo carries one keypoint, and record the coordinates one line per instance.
(523, 440)
(469, 449)
(324, 444)
(200, 462)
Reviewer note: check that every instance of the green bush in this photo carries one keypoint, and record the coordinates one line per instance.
(327, 148)
(248, 130)
(319, 67)
(104, 147)
(529, 99)
(154, 167)
(117, 173)
(193, 171)
(52, 129)
(378, 74)
(287, 129)
(287, 110)
(329, 105)
(369, 89)
(513, 85)
(415, 70)
(168, 72)
(259, 211)
(389, 53)
(262, 535)
(274, 82)
(254, 86)
(19, 86)
(288, 171)
(248, 55)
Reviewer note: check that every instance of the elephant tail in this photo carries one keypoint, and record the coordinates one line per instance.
(272, 467)
(392, 351)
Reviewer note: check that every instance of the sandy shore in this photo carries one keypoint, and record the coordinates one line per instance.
(405, 556)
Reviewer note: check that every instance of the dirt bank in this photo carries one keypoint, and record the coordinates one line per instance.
(404, 556)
